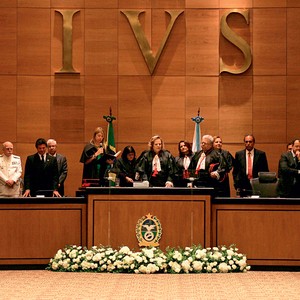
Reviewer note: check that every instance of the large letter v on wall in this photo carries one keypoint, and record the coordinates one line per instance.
(133, 19)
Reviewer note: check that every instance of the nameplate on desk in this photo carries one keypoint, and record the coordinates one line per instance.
(139, 184)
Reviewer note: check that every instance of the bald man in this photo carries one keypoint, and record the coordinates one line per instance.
(61, 163)
(10, 172)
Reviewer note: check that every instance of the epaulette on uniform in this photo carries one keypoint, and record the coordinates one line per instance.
(16, 156)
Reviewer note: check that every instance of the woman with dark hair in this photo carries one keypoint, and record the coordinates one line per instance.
(157, 165)
(125, 166)
(182, 162)
(92, 156)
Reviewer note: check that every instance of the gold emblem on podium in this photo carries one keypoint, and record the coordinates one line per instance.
(148, 231)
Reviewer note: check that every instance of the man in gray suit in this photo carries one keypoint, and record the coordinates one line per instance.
(289, 172)
(61, 163)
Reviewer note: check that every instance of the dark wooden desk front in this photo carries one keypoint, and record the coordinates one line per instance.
(32, 230)
(184, 215)
(266, 230)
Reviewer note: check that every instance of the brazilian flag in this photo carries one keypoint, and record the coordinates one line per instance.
(111, 145)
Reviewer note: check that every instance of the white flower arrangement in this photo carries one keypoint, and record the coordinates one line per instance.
(149, 260)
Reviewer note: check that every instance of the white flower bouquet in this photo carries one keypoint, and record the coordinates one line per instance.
(149, 260)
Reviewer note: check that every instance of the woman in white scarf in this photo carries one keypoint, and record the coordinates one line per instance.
(182, 162)
(157, 165)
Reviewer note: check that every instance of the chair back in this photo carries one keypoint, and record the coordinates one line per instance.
(265, 185)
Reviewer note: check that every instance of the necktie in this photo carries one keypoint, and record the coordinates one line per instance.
(200, 162)
(249, 166)
(42, 158)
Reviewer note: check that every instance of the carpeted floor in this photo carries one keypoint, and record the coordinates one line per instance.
(40, 284)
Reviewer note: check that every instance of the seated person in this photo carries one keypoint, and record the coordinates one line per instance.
(125, 166)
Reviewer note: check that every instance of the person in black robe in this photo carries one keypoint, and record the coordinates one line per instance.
(182, 162)
(224, 186)
(207, 166)
(93, 158)
(157, 165)
(125, 167)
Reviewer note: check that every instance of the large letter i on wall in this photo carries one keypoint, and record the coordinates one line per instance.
(236, 40)
(133, 19)
(67, 53)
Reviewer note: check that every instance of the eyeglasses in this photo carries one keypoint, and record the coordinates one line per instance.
(248, 142)
(9, 148)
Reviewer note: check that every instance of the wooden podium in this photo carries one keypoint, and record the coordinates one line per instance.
(184, 214)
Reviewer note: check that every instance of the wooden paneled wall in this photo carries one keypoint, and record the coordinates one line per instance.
(36, 102)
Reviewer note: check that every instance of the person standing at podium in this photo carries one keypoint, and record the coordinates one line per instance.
(93, 158)
(207, 166)
(41, 171)
(224, 186)
(157, 165)
(182, 162)
(61, 163)
(289, 172)
(247, 164)
(10, 172)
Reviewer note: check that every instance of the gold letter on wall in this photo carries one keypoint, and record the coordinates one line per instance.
(133, 19)
(237, 41)
(67, 41)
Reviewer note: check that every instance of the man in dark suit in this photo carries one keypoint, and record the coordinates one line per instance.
(289, 172)
(247, 164)
(61, 163)
(41, 171)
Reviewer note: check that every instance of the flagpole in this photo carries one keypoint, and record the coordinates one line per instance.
(110, 131)
(197, 132)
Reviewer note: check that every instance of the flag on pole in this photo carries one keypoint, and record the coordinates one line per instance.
(111, 145)
(197, 133)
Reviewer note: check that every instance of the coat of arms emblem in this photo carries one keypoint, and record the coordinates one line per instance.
(148, 231)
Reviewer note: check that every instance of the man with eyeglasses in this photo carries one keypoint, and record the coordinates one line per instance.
(10, 172)
(206, 165)
(247, 164)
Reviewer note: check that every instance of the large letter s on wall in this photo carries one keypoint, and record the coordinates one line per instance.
(236, 40)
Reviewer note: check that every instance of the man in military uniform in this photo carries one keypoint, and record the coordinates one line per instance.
(10, 172)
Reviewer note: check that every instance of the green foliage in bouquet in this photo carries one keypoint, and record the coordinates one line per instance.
(193, 259)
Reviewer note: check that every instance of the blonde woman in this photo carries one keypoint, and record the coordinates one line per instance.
(227, 158)
(157, 165)
(92, 156)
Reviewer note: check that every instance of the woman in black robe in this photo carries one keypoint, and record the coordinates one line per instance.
(157, 165)
(182, 162)
(92, 157)
(227, 158)
(125, 167)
